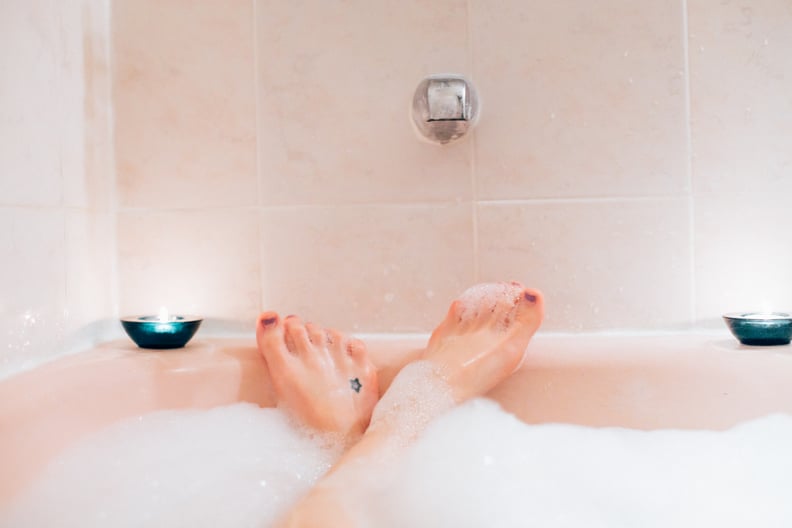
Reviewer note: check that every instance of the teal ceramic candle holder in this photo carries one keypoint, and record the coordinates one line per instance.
(151, 331)
(760, 328)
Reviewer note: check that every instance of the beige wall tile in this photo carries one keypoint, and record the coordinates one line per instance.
(32, 285)
(743, 255)
(89, 268)
(579, 99)
(366, 268)
(57, 261)
(30, 110)
(740, 86)
(86, 104)
(335, 84)
(184, 103)
(196, 262)
(602, 265)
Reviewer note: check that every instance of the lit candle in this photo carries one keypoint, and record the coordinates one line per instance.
(766, 315)
(161, 331)
(760, 328)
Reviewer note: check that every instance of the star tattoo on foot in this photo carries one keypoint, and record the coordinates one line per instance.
(355, 384)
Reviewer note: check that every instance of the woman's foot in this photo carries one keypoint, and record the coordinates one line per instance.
(479, 344)
(484, 337)
(322, 377)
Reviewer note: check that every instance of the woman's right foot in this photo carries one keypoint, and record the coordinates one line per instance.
(484, 336)
(323, 378)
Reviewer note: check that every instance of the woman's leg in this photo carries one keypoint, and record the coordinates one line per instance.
(481, 342)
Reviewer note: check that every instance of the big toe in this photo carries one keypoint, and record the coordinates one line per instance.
(269, 338)
(529, 310)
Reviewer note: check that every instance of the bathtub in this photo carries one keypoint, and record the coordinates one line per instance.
(687, 381)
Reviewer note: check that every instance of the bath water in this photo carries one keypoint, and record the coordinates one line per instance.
(476, 466)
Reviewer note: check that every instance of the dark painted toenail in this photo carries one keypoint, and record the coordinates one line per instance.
(269, 321)
(530, 297)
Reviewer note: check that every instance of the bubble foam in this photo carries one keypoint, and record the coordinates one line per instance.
(487, 297)
(478, 467)
(231, 466)
(418, 395)
(474, 466)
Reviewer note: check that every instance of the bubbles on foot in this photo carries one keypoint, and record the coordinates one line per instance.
(486, 297)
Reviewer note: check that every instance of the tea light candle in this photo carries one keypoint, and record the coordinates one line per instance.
(767, 316)
(161, 331)
(760, 328)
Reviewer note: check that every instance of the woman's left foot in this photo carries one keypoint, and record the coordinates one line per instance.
(322, 377)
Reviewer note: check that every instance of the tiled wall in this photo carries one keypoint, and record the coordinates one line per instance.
(56, 220)
(632, 159)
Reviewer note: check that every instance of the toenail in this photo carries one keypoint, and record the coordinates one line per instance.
(290, 316)
(269, 321)
(530, 297)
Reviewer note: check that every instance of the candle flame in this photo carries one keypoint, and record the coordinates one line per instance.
(163, 316)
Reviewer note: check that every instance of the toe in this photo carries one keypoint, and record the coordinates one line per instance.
(270, 339)
(357, 350)
(508, 301)
(453, 322)
(267, 322)
(296, 337)
(316, 334)
(530, 308)
(337, 345)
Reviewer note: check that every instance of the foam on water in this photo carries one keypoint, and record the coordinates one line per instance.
(475, 466)
(478, 467)
(231, 466)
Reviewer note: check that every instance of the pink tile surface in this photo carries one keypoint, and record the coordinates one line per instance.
(335, 86)
(90, 268)
(30, 109)
(367, 268)
(185, 133)
(86, 105)
(604, 264)
(743, 257)
(303, 107)
(32, 283)
(195, 262)
(580, 99)
(740, 71)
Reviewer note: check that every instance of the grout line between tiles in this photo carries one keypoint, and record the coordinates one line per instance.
(689, 161)
(580, 200)
(256, 104)
(61, 125)
(472, 151)
(415, 204)
(260, 198)
(111, 167)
